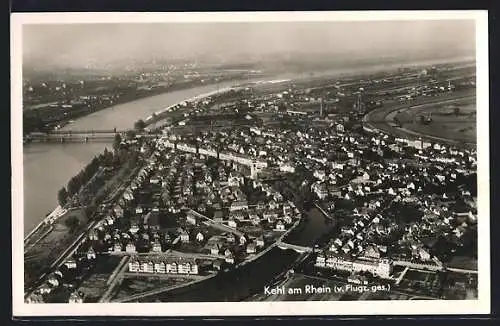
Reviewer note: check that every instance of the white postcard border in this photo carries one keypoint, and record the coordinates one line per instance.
(479, 306)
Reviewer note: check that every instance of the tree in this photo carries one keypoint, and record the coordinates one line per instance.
(117, 141)
(130, 134)
(72, 223)
(90, 210)
(282, 107)
(123, 155)
(107, 158)
(62, 196)
(139, 125)
(456, 110)
(73, 186)
(132, 160)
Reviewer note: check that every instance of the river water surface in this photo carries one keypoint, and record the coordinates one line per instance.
(48, 167)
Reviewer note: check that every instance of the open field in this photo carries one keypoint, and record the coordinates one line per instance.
(133, 285)
(40, 256)
(445, 124)
(381, 119)
(95, 284)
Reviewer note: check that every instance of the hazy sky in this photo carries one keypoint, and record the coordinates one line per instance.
(111, 42)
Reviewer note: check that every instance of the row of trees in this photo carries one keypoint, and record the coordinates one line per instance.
(75, 184)
(83, 177)
(115, 158)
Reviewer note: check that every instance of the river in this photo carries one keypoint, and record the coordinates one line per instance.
(48, 167)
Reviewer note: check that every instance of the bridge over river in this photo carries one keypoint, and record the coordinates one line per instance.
(299, 249)
(80, 136)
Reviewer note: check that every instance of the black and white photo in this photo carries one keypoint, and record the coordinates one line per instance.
(318, 161)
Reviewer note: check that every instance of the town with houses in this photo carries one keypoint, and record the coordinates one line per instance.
(209, 200)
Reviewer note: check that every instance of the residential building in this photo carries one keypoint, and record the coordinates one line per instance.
(75, 297)
(230, 238)
(280, 226)
(232, 223)
(215, 248)
(93, 235)
(156, 246)
(238, 205)
(270, 216)
(287, 167)
(117, 247)
(218, 264)
(377, 267)
(251, 248)
(320, 190)
(70, 263)
(130, 248)
(163, 266)
(91, 253)
(191, 218)
(229, 256)
(200, 237)
(218, 216)
(184, 236)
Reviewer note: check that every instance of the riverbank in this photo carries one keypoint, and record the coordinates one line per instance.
(248, 279)
(62, 162)
(192, 285)
(60, 117)
(55, 214)
(157, 116)
(321, 209)
(274, 244)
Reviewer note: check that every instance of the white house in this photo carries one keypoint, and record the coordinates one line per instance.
(130, 248)
(184, 235)
(229, 257)
(232, 223)
(156, 247)
(200, 237)
(251, 248)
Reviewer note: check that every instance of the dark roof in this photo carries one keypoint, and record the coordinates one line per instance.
(152, 218)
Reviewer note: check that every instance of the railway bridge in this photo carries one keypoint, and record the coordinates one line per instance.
(297, 248)
(80, 136)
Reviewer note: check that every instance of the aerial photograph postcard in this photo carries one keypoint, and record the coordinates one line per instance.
(314, 160)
